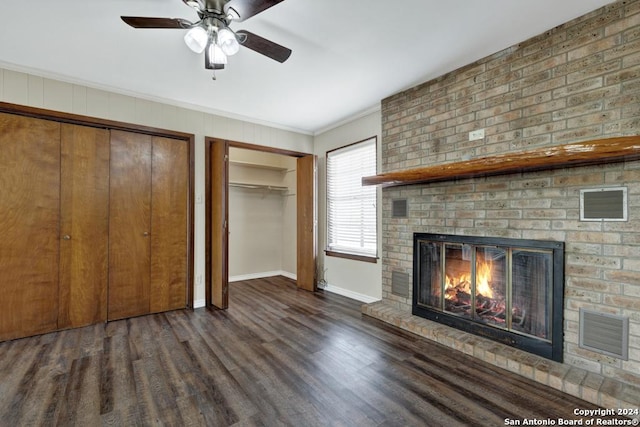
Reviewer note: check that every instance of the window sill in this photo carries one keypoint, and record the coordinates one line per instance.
(363, 258)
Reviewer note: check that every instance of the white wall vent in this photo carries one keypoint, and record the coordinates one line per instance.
(604, 333)
(603, 204)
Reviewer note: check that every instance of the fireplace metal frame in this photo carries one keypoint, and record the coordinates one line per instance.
(552, 349)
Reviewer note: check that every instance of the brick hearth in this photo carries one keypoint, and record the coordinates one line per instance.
(575, 381)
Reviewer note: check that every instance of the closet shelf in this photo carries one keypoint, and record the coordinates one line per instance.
(257, 165)
(258, 186)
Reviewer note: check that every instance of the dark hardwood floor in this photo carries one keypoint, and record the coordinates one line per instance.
(278, 356)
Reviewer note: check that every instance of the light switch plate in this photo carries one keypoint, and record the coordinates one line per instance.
(476, 134)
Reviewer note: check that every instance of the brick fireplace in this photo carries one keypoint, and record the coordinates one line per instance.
(575, 83)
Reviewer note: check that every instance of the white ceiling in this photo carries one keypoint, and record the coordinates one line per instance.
(347, 55)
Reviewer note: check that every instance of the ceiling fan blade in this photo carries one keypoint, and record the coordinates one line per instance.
(265, 47)
(248, 8)
(144, 22)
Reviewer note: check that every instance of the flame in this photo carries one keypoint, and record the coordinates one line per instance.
(483, 277)
(462, 282)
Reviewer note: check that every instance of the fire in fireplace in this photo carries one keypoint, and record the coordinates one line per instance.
(509, 290)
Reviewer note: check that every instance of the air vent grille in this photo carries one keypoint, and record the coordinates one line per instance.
(604, 333)
(400, 284)
(603, 204)
(399, 208)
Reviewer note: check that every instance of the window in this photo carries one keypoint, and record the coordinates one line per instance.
(351, 207)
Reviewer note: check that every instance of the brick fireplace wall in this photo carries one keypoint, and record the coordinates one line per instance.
(576, 82)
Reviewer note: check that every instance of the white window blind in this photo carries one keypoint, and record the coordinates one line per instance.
(351, 207)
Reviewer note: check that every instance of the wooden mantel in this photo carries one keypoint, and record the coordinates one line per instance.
(579, 154)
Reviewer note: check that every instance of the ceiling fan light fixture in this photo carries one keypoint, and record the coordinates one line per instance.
(216, 55)
(196, 4)
(228, 42)
(196, 39)
(212, 28)
(232, 14)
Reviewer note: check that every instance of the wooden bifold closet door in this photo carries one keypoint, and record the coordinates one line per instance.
(147, 224)
(53, 214)
(169, 185)
(94, 225)
(84, 225)
(29, 221)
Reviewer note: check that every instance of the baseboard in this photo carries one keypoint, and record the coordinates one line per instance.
(350, 294)
(329, 288)
(291, 276)
(262, 275)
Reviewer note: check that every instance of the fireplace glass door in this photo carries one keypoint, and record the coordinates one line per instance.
(531, 291)
(503, 287)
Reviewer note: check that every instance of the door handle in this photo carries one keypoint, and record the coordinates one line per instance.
(145, 234)
(66, 237)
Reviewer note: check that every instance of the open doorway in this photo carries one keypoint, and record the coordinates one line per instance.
(230, 168)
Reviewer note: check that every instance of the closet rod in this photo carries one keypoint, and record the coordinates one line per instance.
(257, 186)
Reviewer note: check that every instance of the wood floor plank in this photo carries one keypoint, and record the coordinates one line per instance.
(216, 381)
(27, 387)
(118, 387)
(80, 402)
(152, 397)
(277, 357)
(327, 393)
(190, 415)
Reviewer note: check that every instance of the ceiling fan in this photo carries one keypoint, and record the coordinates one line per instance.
(211, 33)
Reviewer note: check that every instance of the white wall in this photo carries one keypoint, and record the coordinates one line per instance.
(255, 233)
(355, 279)
(28, 89)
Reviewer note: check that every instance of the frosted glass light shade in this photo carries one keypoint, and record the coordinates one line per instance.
(196, 4)
(196, 38)
(228, 42)
(216, 55)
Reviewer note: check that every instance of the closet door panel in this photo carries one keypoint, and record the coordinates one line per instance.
(306, 227)
(169, 195)
(29, 220)
(84, 225)
(219, 186)
(129, 225)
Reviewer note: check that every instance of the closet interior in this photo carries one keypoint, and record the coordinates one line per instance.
(262, 214)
